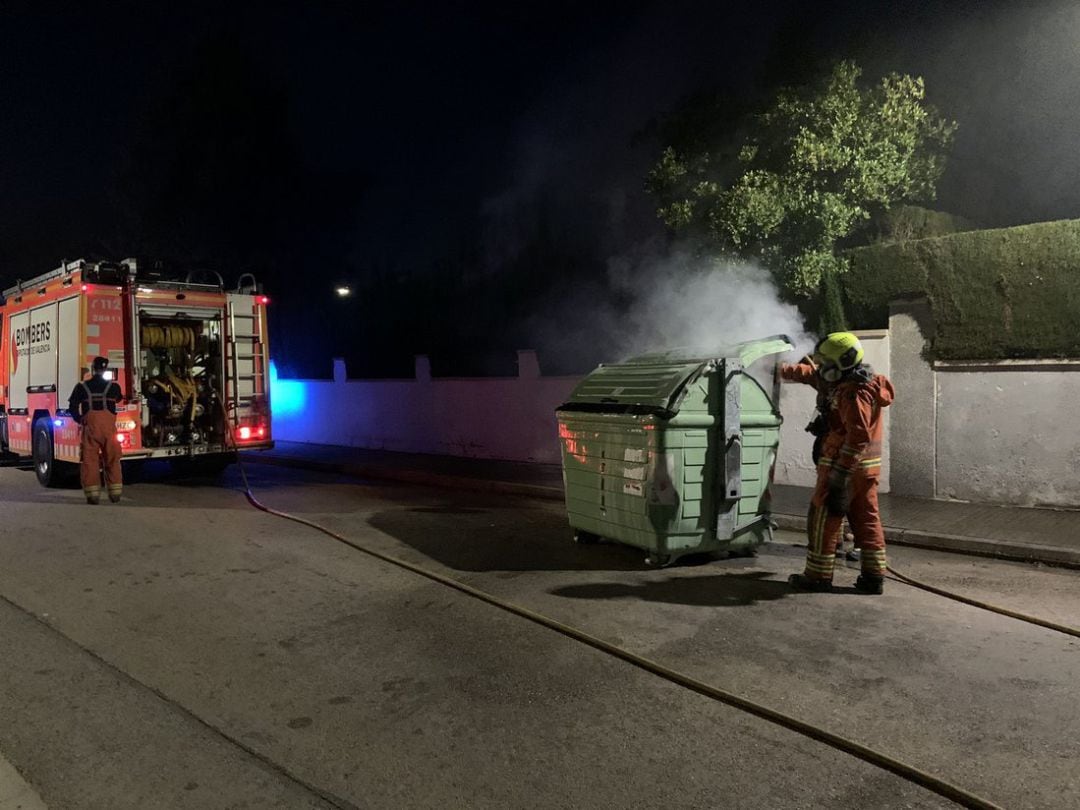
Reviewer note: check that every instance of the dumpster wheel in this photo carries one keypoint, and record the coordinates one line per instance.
(743, 552)
(922, 778)
(659, 560)
(584, 538)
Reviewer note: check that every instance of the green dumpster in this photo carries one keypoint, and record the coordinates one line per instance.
(673, 452)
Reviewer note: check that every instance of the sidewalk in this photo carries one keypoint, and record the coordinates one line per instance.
(1015, 533)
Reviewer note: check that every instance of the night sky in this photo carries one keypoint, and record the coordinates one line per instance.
(440, 153)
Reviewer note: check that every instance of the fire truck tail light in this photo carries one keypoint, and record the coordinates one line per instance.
(122, 438)
(245, 433)
(263, 299)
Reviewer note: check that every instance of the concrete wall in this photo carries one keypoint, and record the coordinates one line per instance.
(503, 418)
(994, 432)
(793, 463)
(912, 462)
(1007, 432)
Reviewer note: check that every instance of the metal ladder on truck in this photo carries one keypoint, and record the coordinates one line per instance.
(244, 356)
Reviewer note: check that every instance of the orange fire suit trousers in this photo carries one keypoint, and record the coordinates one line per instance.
(100, 452)
(823, 529)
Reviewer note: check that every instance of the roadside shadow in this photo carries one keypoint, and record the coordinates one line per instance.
(161, 471)
(479, 536)
(66, 479)
(719, 590)
(261, 477)
(446, 510)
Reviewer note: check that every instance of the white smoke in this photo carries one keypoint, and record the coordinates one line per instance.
(699, 303)
(681, 301)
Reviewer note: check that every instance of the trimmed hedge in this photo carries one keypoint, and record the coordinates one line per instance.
(1002, 293)
(902, 223)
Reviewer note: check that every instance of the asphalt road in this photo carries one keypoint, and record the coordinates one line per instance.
(182, 650)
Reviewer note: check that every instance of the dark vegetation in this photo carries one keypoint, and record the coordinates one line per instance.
(1001, 293)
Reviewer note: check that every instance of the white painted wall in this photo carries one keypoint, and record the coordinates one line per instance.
(509, 418)
(1007, 432)
(1002, 432)
(500, 418)
(793, 463)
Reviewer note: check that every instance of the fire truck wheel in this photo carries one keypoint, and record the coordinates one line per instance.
(44, 463)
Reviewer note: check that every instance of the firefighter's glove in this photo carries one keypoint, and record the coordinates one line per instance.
(838, 493)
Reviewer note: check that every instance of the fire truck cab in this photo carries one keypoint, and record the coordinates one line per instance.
(191, 358)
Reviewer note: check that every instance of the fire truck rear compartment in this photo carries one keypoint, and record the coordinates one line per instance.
(181, 370)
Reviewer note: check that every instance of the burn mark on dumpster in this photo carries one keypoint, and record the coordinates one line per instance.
(572, 442)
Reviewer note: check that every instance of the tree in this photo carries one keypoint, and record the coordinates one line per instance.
(815, 165)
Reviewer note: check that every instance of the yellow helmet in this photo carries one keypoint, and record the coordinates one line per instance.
(837, 353)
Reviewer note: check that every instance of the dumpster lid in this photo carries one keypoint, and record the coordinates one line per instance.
(654, 383)
(748, 352)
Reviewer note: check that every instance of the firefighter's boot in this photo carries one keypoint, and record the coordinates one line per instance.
(868, 583)
(801, 582)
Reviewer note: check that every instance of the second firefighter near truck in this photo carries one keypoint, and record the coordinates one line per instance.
(93, 406)
(849, 469)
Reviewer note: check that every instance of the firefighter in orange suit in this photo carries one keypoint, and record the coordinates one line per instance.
(93, 405)
(850, 465)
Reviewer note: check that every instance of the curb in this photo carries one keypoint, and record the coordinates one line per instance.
(406, 476)
(976, 546)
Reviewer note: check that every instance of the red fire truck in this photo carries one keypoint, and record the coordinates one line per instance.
(191, 357)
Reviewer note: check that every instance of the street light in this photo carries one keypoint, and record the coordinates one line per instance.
(343, 292)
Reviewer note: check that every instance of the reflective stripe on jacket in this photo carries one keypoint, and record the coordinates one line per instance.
(95, 394)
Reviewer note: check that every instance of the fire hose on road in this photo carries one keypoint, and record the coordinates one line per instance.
(872, 756)
(967, 600)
